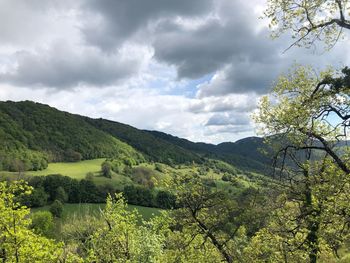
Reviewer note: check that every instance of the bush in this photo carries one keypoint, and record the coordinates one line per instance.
(37, 198)
(137, 195)
(61, 194)
(143, 176)
(72, 156)
(106, 169)
(159, 167)
(42, 223)
(226, 178)
(56, 208)
(89, 176)
(165, 200)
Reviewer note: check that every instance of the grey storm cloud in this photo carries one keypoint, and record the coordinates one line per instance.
(243, 77)
(231, 42)
(61, 67)
(223, 40)
(225, 37)
(230, 45)
(116, 20)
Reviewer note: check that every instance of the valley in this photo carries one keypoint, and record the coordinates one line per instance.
(82, 173)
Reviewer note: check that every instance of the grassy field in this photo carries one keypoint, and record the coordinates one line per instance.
(162, 176)
(76, 170)
(79, 210)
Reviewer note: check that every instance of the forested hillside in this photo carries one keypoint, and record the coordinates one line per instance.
(155, 148)
(246, 153)
(37, 134)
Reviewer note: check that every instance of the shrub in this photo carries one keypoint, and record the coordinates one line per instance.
(37, 198)
(226, 178)
(42, 223)
(165, 200)
(61, 194)
(143, 176)
(56, 208)
(106, 169)
(89, 176)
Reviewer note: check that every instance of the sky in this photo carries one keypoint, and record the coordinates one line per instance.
(195, 69)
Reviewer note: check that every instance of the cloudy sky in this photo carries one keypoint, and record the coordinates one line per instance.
(194, 69)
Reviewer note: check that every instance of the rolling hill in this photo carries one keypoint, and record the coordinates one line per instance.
(37, 134)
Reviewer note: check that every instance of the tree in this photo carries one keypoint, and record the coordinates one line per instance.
(106, 169)
(72, 156)
(144, 176)
(121, 239)
(17, 242)
(19, 167)
(211, 214)
(56, 208)
(89, 176)
(77, 233)
(308, 115)
(165, 200)
(306, 102)
(61, 194)
(309, 21)
(37, 198)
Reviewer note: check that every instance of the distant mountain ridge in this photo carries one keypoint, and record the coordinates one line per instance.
(38, 132)
(244, 154)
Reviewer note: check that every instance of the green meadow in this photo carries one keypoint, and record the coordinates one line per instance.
(77, 170)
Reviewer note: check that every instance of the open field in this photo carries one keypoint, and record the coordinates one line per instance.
(79, 210)
(162, 175)
(77, 170)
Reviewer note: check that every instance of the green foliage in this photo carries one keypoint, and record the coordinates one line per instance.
(309, 21)
(159, 167)
(89, 176)
(244, 154)
(18, 242)
(72, 156)
(154, 148)
(37, 198)
(61, 194)
(42, 223)
(106, 169)
(56, 208)
(122, 240)
(22, 159)
(35, 133)
(143, 176)
(78, 230)
(209, 213)
(139, 195)
(67, 189)
(165, 200)
(311, 217)
(226, 177)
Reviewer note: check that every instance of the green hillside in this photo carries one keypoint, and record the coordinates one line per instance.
(36, 134)
(155, 148)
(33, 134)
(245, 154)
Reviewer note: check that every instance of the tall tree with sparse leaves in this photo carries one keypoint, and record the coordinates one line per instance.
(309, 21)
